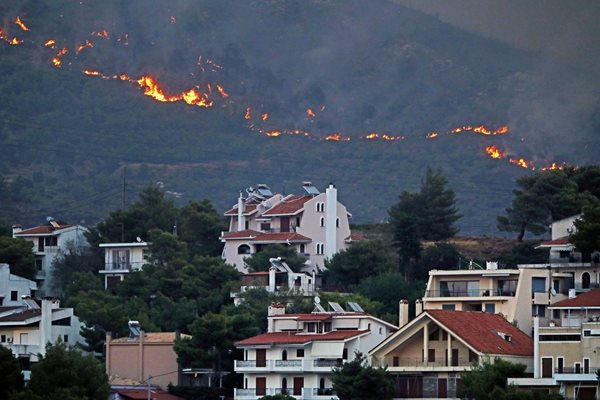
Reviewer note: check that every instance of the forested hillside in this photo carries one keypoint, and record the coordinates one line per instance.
(269, 91)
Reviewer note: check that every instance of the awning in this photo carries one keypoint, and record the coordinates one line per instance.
(327, 349)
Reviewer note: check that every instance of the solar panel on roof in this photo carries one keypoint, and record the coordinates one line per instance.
(319, 308)
(355, 306)
(310, 188)
(336, 307)
(264, 190)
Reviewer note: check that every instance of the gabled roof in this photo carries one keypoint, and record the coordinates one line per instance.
(245, 234)
(562, 241)
(281, 237)
(291, 205)
(42, 230)
(354, 237)
(586, 299)
(482, 330)
(21, 316)
(273, 338)
(248, 210)
(142, 394)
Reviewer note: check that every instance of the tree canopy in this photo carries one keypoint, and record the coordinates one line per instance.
(358, 380)
(260, 261)
(11, 379)
(587, 236)
(18, 253)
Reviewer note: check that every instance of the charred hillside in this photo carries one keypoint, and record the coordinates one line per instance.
(210, 97)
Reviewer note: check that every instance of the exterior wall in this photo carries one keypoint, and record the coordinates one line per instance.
(10, 283)
(134, 361)
(562, 227)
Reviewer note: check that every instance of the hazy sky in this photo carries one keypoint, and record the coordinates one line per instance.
(568, 28)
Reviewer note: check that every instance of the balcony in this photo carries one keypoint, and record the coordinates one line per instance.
(470, 293)
(301, 394)
(124, 267)
(576, 374)
(417, 364)
(303, 365)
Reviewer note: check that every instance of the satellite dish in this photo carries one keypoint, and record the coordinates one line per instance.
(138, 239)
(553, 291)
(317, 300)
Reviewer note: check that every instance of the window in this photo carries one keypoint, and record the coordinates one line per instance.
(585, 280)
(473, 357)
(560, 361)
(298, 222)
(299, 353)
(14, 295)
(337, 222)
(345, 354)
(577, 368)
(490, 308)
(302, 248)
(434, 336)
(556, 314)
(284, 355)
(586, 365)
(450, 307)
(507, 287)
(320, 248)
(244, 249)
(431, 355)
(51, 241)
(3, 338)
(265, 226)
(246, 225)
(459, 288)
(539, 310)
(320, 206)
(66, 338)
(538, 285)
(322, 221)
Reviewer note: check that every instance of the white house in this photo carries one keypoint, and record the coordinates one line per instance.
(120, 259)
(48, 241)
(298, 352)
(315, 224)
(13, 288)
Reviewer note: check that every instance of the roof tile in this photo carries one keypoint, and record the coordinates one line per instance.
(273, 338)
(288, 206)
(586, 299)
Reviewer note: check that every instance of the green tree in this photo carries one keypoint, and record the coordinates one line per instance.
(200, 227)
(70, 260)
(438, 211)
(359, 261)
(440, 255)
(587, 237)
(18, 253)
(356, 380)
(407, 231)
(260, 261)
(539, 200)
(11, 378)
(388, 289)
(64, 373)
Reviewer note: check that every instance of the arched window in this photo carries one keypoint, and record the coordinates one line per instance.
(337, 222)
(585, 280)
(244, 249)
(322, 221)
(284, 386)
(284, 355)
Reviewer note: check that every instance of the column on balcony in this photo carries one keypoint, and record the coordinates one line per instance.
(426, 342)
(449, 351)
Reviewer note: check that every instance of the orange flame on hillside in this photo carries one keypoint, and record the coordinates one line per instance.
(56, 59)
(521, 162)
(95, 73)
(173, 19)
(50, 43)
(336, 137)
(82, 46)
(124, 40)
(21, 24)
(481, 129)
(264, 116)
(310, 113)
(15, 41)
(191, 96)
(273, 133)
(248, 114)
(222, 91)
(102, 34)
(432, 135)
(493, 152)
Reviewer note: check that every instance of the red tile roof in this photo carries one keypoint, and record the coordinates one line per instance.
(288, 206)
(354, 237)
(152, 337)
(281, 237)
(42, 229)
(241, 234)
(142, 394)
(480, 330)
(586, 299)
(556, 242)
(248, 209)
(273, 338)
(21, 316)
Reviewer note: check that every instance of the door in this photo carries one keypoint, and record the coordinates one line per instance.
(261, 357)
(455, 357)
(285, 224)
(546, 367)
(442, 388)
(261, 386)
(586, 393)
(298, 385)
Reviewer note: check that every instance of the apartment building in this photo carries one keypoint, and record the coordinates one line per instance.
(566, 354)
(120, 259)
(13, 288)
(298, 352)
(48, 241)
(427, 355)
(315, 224)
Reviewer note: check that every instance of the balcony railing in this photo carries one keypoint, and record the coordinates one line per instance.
(572, 370)
(286, 365)
(327, 363)
(124, 266)
(304, 393)
(470, 293)
(419, 362)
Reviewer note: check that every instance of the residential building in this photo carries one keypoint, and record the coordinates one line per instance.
(427, 355)
(280, 279)
(139, 393)
(315, 224)
(49, 240)
(297, 353)
(13, 288)
(566, 352)
(27, 328)
(147, 357)
(120, 259)
(517, 294)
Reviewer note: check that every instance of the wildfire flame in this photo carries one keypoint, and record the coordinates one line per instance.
(248, 114)
(336, 137)
(493, 152)
(14, 41)
(273, 133)
(521, 162)
(173, 19)
(481, 129)
(82, 46)
(264, 116)
(50, 43)
(310, 113)
(102, 34)
(222, 91)
(191, 96)
(432, 135)
(21, 24)
(56, 59)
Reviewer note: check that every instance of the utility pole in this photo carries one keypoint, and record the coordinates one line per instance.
(124, 193)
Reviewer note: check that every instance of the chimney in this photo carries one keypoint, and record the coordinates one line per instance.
(330, 221)
(572, 293)
(403, 313)
(16, 229)
(241, 219)
(46, 324)
(418, 307)
(107, 351)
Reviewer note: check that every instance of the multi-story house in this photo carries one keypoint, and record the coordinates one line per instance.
(13, 288)
(517, 294)
(566, 353)
(315, 224)
(48, 241)
(120, 259)
(427, 355)
(297, 353)
(27, 328)
(280, 280)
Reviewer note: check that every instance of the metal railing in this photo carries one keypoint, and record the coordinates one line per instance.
(419, 362)
(470, 293)
(327, 363)
(573, 370)
(123, 266)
